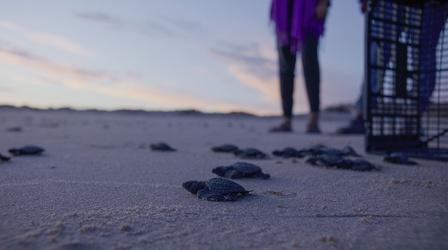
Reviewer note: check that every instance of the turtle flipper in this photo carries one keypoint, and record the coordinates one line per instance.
(208, 195)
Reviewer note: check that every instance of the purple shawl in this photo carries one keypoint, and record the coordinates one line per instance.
(293, 25)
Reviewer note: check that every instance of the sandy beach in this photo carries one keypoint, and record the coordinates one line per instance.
(99, 186)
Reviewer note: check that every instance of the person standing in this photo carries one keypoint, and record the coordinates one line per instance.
(299, 24)
(434, 21)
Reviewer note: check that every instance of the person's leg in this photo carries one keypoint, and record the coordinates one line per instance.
(356, 125)
(287, 64)
(434, 22)
(311, 73)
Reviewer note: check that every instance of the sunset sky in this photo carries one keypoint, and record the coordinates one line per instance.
(212, 55)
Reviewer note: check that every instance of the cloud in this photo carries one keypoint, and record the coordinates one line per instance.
(149, 28)
(111, 84)
(266, 86)
(101, 18)
(184, 25)
(46, 39)
(252, 66)
(165, 26)
(58, 42)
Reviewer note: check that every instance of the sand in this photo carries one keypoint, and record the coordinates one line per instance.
(98, 186)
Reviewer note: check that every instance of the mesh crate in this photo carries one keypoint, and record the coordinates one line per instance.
(407, 78)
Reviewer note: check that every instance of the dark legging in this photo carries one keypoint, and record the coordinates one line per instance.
(311, 73)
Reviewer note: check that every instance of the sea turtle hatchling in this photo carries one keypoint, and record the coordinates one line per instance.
(325, 150)
(225, 148)
(241, 170)
(336, 161)
(216, 189)
(250, 153)
(14, 129)
(162, 146)
(26, 150)
(4, 158)
(363, 165)
(399, 158)
(289, 152)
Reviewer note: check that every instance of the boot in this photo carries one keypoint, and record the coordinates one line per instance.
(285, 126)
(313, 124)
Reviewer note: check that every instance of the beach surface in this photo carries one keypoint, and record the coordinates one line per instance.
(99, 186)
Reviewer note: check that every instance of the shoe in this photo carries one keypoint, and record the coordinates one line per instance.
(284, 127)
(312, 129)
(355, 127)
(313, 124)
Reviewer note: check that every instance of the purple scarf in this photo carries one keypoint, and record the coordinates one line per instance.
(292, 25)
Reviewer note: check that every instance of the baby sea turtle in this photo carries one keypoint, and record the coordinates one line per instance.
(326, 160)
(216, 189)
(363, 165)
(324, 150)
(289, 153)
(250, 153)
(14, 129)
(349, 151)
(225, 148)
(26, 150)
(241, 170)
(399, 158)
(4, 158)
(163, 147)
(335, 161)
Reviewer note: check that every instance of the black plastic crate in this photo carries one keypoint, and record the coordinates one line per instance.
(406, 96)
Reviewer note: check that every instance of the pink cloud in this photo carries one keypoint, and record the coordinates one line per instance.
(46, 39)
(112, 84)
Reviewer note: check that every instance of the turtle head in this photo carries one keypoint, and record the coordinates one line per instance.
(219, 171)
(193, 186)
(14, 151)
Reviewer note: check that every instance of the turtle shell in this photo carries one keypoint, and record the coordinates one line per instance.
(325, 160)
(349, 151)
(224, 186)
(246, 168)
(26, 150)
(250, 153)
(324, 150)
(289, 153)
(193, 186)
(162, 147)
(226, 148)
(341, 162)
(240, 170)
(216, 189)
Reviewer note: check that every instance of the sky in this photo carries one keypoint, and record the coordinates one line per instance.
(211, 55)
